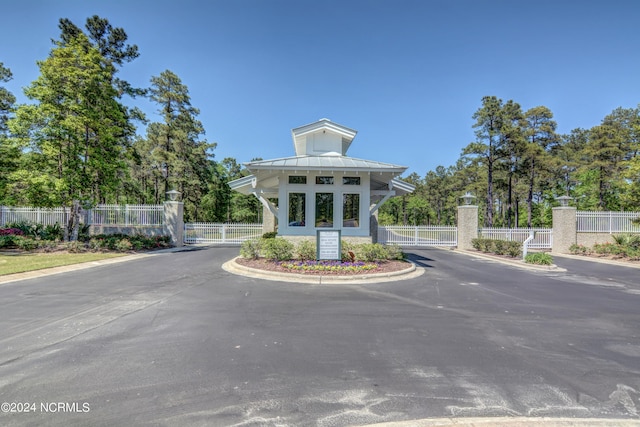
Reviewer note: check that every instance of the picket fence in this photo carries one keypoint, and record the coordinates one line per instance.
(122, 215)
(418, 235)
(543, 236)
(221, 233)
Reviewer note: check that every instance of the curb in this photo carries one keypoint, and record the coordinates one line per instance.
(235, 268)
(515, 262)
(599, 260)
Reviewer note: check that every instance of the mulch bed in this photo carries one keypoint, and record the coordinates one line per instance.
(267, 265)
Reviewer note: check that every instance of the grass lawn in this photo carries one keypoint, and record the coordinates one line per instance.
(28, 262)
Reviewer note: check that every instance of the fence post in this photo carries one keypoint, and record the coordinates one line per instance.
(174, 222)
(467, 226)
(565, 228)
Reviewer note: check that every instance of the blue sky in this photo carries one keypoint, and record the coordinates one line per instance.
(406, 74)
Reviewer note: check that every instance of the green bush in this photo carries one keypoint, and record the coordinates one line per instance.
(499, 247)
(370, 252)
(539, 258)
(7, 241)
(576, 249)
(124, 245)
(269, 235)
(514, 249)
(251, 248)
(25, 243)
(75, 247)
(277, 249)
(394, 251)
(306, 250)
(346, 249)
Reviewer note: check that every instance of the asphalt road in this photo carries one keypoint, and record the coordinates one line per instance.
(175, 340)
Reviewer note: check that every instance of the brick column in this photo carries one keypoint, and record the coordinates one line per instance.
(174, 222)
(564, 229)
(467, 226)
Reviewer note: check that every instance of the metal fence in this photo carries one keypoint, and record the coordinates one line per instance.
(418, 235)
(10, 214)
(126, 215)
(607, 222)
(207, 232)
(543, 236)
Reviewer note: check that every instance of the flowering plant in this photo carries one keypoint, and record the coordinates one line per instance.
(329, 266)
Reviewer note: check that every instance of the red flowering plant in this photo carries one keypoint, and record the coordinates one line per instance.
(11, 232)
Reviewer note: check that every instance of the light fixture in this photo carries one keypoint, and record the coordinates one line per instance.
(467, 198)
(564, 200)
(173, 195)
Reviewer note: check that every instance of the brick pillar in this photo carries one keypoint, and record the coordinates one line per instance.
(564, 229)
(467, 226)
(174, 222)
(268, 220)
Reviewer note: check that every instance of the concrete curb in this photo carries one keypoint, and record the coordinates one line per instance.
(512, 422)
(514, 262)
(235, 268)
(599, 260)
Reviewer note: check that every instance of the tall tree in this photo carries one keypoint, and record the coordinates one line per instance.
(541, 137)
(493, 131)
(77, 132)
(9, 152)
(175, 150)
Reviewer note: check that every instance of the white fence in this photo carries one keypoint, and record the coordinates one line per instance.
(10, 215)
(123, 215)
(207, 232)
(418, 235)
(126, 215)
(543, 236)
(607, 222)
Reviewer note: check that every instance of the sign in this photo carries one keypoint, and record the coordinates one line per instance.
(328, 244)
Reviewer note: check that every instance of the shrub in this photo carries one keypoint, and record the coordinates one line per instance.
(370, 252)
(603, 248)
(11, 231)
(514, 249)
(346, 251)
(123, 245)
(277, 249)
(269, 235)
(499, 247)
(7, 241)
(306, 250)
(25, 243)
(539, 258)
(52, 232)
(75, 247)
(394, 251)
(251, 249)
(578, 249)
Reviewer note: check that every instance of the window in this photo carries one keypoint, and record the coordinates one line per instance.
(297, 179)
(324, 180)
(297, 207)
(324, 209)
(350, 210)
(351, 180)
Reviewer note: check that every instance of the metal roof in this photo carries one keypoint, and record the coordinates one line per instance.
(332, 161)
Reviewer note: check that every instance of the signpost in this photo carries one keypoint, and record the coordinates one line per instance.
(328, 245)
